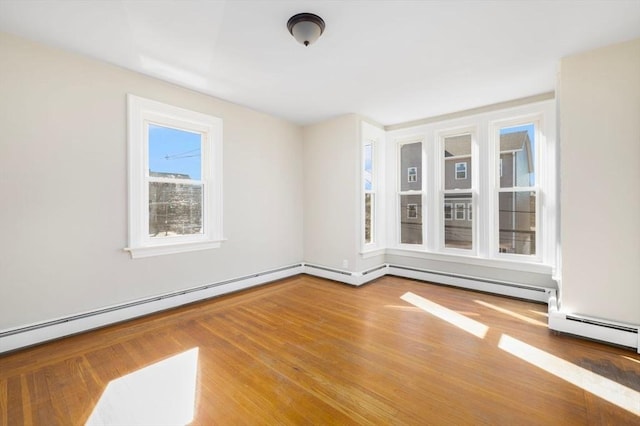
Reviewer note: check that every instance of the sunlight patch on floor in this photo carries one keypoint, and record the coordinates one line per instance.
(511, 313)
(161, 393)
(452, 317)
(542, 314)
(602, 387)
(630, 359)
(403, 308)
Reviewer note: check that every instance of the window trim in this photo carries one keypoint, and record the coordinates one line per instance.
(459, 207)
(141, 113)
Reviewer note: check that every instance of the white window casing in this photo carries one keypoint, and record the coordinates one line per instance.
(141, 114)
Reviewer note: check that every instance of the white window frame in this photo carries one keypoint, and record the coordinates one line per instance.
(455, 170)
(141, 113)
(400, 192)
(441, 134)
(540, 146)
(375, 136)
(371, 192)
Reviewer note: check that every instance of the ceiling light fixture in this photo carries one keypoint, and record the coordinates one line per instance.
(306, 27)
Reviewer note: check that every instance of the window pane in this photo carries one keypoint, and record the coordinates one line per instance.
(457, 162)
(411, 167)
(369, 201)
(517, 222)
(174, 209)
(517, 159)
(458, 226)
(368, 167)
(174, 153)
(411, 219)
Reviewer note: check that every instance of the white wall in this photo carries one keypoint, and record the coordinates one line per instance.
(63, 188)
(600, 182)
(331, 192)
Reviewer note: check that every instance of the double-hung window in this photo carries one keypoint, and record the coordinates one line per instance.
(457, 189)
(517, 189)
(410, 193)
(369, 190)
(175, 179)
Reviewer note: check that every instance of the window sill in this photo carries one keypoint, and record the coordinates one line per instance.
(515, 265)
(160, 250)
(373, 252)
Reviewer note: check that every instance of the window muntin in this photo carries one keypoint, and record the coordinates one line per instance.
(411, 193)
(175, 179)
(457, 185)
(517, 192)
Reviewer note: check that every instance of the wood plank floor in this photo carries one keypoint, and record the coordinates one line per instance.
(310, 351)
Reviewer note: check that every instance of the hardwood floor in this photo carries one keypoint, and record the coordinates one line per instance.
(310, 351)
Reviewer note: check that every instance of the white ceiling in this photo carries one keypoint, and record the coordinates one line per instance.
(392, 61)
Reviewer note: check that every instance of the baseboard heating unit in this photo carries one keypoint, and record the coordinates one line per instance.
(347, 277)
(505, 288)
(592, 328)
(37, 333)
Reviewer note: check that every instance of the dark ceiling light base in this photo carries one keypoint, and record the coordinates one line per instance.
(306, 28)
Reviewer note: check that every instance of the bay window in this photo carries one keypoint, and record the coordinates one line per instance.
(479, 186)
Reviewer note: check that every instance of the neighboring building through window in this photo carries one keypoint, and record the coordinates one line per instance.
(448, 212)
(175, 179)
(412, 211)
(461, 170)
(412, 174)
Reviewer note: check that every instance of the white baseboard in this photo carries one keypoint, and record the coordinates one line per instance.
(521, 291)
(37, 333)
(593, 328)
(347, 277)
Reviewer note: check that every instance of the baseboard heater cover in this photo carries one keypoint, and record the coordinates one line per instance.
(592, 328)
(346, 277)
(505, 288)
(24, 336)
